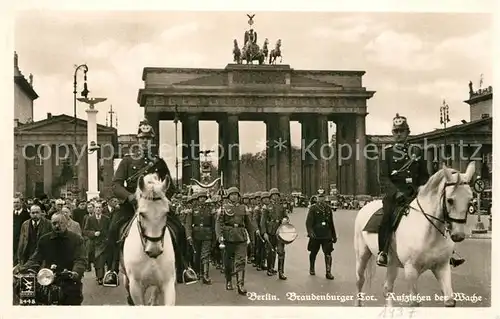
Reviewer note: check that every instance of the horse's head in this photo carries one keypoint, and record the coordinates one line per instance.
(455, 195)
(278, 43)
(152, 209)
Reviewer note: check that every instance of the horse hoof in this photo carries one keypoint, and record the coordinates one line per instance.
(450, 303)
(130, 301)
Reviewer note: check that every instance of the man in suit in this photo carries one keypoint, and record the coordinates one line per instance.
(79, 213)
(96, 230)
(71, 225)
(31, 231)
(20, 216)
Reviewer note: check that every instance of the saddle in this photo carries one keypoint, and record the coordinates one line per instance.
(373, 224)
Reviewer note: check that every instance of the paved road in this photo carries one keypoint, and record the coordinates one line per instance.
(472, 277)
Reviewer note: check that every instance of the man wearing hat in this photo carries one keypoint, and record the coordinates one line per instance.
(273, 215)
(403, 171)
(321, 233)
(199, 225)
(124, 187)
(232, 228)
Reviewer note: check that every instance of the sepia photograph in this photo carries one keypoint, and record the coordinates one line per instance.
(252, 158)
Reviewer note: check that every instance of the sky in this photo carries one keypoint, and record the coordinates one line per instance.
(412, 60)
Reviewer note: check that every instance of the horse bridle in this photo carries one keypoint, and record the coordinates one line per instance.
(144, 237)
(446, 215)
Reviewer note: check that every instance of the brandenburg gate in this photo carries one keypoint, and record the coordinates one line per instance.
(275, 94)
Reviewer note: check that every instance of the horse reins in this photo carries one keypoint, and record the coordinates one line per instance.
(145, 237)
(447, 218)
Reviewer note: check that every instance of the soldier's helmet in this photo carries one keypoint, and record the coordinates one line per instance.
(321, 192)
(245, 196)
(265, 194)
(145, 130)
(233, 190)
(258, 194)
(400, 123)
(274, 191)
(251, 195)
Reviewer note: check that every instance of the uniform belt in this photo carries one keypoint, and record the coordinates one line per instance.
(274, 220)
(201, 225)
(235, 225)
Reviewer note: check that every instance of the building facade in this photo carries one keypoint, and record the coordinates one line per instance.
(24, 95)
(48, 161)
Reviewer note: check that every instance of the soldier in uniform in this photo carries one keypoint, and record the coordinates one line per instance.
(403, 171)
(232, 228)
(199, 225)
(321, 233)
(247, 201)
(124, 188)
(273, 215)
(260, 247)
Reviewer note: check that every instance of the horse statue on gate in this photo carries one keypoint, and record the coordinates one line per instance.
(425, 234)
(148, 259)
(276, 52)
(236, 52)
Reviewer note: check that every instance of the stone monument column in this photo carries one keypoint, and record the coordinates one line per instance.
(233, 152)
(308, 156)
(93, 185)
(359, 154)
(284, 154)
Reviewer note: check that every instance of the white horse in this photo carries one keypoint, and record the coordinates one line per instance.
(148, 259)
(425, 237)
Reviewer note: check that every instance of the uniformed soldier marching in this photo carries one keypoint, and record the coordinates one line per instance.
(260, 243)
(124, 187)
(232, 228)
(273, 215)
(200, 222)
(403, 171)
(246, 200)
(321, 233)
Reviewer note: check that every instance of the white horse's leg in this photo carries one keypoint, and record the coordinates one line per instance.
(443, 275)
(153, 299)
(136, 292)
(169, 293)
(390, 278)
(412, 275)
(363, 256)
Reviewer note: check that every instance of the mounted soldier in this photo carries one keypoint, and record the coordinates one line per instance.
(134, 165)
(321, 233)
(403, 171)
(273, 215)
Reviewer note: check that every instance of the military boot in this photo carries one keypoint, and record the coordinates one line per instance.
(229, 278)
(281, 268)
(206, 277)
(312, 261)
(328, 267)
(270, 264)
(240, 282)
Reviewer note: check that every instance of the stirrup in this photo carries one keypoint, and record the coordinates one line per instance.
(110, 279)
(189, 273)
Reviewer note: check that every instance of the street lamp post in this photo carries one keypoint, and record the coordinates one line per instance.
(84, 93)
(444, 119)
(176, 120)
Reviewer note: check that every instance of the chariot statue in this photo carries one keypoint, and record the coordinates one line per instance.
(250, 51)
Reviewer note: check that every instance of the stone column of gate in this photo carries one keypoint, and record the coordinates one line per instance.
(194, 145)
(233, 152)
(154, 120)
(308, 151)
(360, 155)
(271, 152)
(283, 148)
(186, 163)
(223, 149)
(323, 152)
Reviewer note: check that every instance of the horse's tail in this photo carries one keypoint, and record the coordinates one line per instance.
(371, 268)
